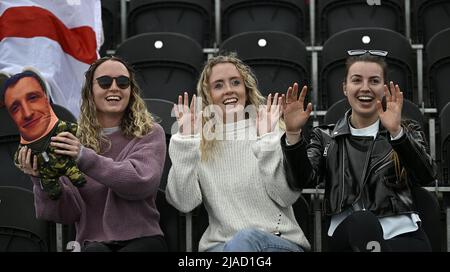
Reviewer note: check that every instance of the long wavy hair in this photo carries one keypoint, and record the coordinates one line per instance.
(136, 121)
(253, 95)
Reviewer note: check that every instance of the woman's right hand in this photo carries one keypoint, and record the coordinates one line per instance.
(25, 164)
(295, 116)
(188, 119)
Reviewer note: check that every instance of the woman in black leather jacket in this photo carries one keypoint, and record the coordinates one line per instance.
(368, 161)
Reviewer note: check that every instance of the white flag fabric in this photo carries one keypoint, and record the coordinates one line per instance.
(58, 38)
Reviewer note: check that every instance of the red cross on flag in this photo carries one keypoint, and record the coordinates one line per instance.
(58, 38)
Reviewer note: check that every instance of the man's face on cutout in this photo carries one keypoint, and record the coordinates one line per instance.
(29, 107)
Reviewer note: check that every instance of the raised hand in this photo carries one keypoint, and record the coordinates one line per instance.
(269, 115)
(187, 117)
(391, 118)
(295, 115)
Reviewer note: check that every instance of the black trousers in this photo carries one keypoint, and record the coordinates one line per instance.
(362, 232)
(142, 244)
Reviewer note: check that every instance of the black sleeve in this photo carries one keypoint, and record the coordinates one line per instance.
(303, 161)
(412, 150)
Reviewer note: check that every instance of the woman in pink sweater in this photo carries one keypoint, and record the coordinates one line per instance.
(121, 152)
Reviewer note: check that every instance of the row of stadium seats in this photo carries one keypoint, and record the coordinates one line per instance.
(209, 22)
(279, 59)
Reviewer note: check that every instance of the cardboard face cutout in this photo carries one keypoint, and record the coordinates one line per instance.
(25, 98)
(29, 107)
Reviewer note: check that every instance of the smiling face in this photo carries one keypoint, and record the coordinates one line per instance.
(29, 107)
(363, 86)
(227, 90)
(111, 102)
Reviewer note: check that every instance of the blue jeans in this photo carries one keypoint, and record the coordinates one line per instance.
(255, 240)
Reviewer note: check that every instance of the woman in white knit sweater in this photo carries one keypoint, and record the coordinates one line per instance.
(228, 156)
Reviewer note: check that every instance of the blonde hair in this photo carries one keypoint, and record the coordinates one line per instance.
(253, 96)
(136, 122)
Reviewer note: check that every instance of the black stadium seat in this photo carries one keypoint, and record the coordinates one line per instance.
(339, 15)
(20, 231)
(63, 113)
(238, 16)
(9, 141)
(438, 59)
(188, 17)
(278, 59)
(111, 25)
(445, 144)
(431, 16)
(162, 111)
(429, 211)
(172, 222)
(166, 63)
(334, 54)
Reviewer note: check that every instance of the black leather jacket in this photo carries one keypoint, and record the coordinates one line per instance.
(324, 160)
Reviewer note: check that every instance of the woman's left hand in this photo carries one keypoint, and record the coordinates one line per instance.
(268, 115)
(66, 144)
(392, 117)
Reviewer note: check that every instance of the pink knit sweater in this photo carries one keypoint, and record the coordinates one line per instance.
(118, 200)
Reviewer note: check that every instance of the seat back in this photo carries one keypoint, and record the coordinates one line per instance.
(278, 59)
(189, 17)
(429, 212)
(303, 214)
(9, 141)
(19, 228)
(438, 59)
(290, 16)
(63, 113)
(162, 113)
(339, 15)
(172, 222)
(162, 69)
(430, 17)
(200, 222)
(7, 128)
(111, 25)
(10, 174)
(334, 54)
(445, 143)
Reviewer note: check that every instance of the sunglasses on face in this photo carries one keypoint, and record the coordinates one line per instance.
(105, 82)
(358, 52)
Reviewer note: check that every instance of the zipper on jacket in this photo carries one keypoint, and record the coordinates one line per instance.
(343, 177)
(370, 170)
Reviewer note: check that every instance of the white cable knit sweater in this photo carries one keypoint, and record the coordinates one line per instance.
(242, 185)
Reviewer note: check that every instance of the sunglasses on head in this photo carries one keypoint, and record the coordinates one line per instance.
(105, 82)
(358, 52)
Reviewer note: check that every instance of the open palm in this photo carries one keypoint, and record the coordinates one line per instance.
(187, 117)
(391, 118)
(295, 115)
(269, 115)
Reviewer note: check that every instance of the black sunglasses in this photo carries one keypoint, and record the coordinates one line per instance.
(105, 82)
(358, 52)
